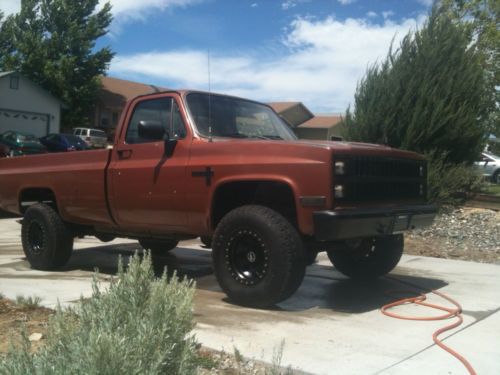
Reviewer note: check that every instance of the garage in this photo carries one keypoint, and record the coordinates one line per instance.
(26, 107)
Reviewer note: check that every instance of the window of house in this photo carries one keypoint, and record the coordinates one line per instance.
(14, 82)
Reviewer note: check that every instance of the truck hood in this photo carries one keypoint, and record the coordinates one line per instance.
(302, 146)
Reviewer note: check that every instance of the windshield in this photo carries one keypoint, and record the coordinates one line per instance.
(235, 118)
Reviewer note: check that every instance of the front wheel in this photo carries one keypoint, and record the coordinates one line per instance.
(158, 247)
(367, 258)
(258, 256)
(47, 242)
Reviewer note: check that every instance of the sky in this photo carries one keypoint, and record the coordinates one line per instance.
(312, 51)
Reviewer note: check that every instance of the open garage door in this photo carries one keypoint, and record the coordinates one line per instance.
(37, 124)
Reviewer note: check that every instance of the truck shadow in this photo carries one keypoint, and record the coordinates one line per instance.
(323, 289)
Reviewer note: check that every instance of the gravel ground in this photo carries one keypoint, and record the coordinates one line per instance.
(461, 233)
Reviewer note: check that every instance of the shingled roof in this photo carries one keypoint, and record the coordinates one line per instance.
(116, 92)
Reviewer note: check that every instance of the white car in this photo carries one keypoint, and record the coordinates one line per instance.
(489, 166)
(94, 138)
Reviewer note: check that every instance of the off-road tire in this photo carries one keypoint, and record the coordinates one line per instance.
(47, 242)
(206, 241)
(368, 258)
(159, 247)
(258, 256)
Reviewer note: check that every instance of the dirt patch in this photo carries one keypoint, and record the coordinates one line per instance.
(13, 318)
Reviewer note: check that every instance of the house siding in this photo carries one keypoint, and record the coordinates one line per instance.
(28, 109)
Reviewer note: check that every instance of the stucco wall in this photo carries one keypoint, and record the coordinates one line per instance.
(33, 103)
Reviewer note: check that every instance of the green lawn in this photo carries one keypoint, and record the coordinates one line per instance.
(493, 189)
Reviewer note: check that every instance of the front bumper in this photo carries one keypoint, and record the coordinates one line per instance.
(356, 223)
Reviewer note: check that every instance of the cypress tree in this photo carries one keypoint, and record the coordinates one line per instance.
(429, 95)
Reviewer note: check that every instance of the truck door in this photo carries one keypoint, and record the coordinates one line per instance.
(147, 177)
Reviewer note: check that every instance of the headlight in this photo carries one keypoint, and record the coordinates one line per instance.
(339, 168)
(338, 191)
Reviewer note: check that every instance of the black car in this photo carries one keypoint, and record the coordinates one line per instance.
(63, 142)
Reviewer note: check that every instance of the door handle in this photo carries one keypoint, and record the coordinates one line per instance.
(124, 154)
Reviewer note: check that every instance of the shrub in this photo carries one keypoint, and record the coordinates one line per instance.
(448, 182)
(141, 325)
(28, 302)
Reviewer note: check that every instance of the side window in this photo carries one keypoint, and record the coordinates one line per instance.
(155, 111)
(178, 128)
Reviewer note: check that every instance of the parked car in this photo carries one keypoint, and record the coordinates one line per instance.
(63, 142)
(94, 138)
(489, 165)
(21, 144)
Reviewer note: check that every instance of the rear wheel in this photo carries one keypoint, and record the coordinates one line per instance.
(258, 256)
(367, 258)
(47, 242)
(159, 247)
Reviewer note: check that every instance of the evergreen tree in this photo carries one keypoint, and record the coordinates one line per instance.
(430, 95)
(53, 43)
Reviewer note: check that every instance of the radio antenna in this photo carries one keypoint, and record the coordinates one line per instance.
(209, 99)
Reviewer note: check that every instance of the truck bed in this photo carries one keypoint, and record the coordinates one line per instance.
(79, 178)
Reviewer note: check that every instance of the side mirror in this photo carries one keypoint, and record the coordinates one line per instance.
(152, 130)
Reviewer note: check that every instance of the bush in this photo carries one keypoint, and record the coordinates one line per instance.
(448, 182)
(141, 325)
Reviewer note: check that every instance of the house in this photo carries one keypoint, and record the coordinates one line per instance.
(26, 107)
(320, 127)
(294, 113)
(112, 98)
(305, 124)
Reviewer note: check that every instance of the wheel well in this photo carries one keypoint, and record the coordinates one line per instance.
(31, 196)
(275, 195)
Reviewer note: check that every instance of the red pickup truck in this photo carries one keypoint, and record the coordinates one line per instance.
(186, 164)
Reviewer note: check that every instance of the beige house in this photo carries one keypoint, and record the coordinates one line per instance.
(112, 99)
(305, 124)
(320, 127)
(26, 107)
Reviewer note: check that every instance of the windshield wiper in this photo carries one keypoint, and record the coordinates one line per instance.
(267, 137)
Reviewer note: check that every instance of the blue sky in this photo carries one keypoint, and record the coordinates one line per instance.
(314, 51)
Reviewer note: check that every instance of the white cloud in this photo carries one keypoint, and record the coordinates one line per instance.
(371, 14)
(387, 14)
(122, 10)
(10, 6)
(346, 2)
(288, 4)
(324, 61)
(254, 5)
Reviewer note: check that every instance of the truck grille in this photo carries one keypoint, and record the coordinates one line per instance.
(379, 178)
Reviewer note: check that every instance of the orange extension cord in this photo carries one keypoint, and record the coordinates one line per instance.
(451, 312)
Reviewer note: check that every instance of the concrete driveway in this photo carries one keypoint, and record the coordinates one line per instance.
(330, 326)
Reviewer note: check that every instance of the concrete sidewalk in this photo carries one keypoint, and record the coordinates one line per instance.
(330, 326)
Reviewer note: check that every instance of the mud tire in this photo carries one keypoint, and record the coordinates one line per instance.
(47, 242)
(258, 256)
(369, 258)
(158, 247)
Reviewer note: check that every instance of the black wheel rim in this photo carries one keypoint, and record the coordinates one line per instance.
(246, 257)
(362, 250)
(35, 238)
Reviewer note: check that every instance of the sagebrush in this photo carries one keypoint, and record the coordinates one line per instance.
(139, 325)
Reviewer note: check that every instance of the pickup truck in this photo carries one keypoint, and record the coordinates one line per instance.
(188, 163)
